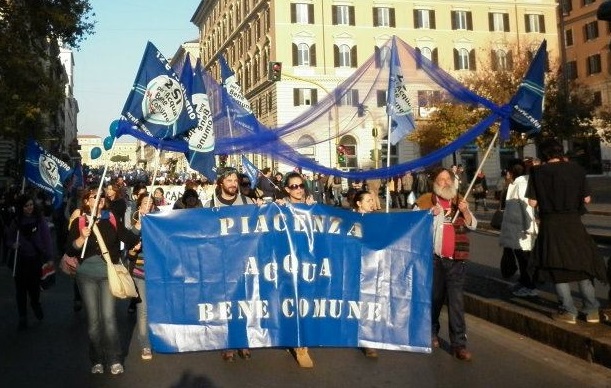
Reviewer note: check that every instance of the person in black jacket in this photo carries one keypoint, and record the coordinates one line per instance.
(92, 278)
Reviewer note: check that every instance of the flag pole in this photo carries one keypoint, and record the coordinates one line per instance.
(479, 168)
(388, 164)
(157, 158)
(17, 238)
(93, 215)
(230, 133)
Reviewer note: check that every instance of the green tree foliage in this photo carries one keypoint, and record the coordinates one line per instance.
(31, 82)
(119, 158)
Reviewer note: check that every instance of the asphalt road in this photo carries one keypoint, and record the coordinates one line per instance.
(53, 353)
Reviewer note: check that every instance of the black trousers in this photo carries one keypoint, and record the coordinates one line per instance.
(448, 282)
(27, 283)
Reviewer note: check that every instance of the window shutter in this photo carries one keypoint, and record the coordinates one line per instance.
(472, 65)
(335, 55)
(453, 16)
(293, 13)
(313, 55)
(391, 12)
(435, 56)
(375, 16)
(542, 23)
(418, 58)
(353, 59)
(376, 56)
(355, 97)
(469, 21)
(295, 97)
(314, 96)
(456, 63)
(351, 15)
(416, 19)
(295, 55)
(432, 20)
(494, 63)
(381, 98)
(311, 13)
(490, 21)
(506, 22)
(334, 15)
(526, 23)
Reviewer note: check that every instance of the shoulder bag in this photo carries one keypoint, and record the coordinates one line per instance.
(119, 279)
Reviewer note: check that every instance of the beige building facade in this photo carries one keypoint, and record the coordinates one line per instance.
(322, 42)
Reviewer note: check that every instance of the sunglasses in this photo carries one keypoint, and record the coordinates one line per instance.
(295, 187)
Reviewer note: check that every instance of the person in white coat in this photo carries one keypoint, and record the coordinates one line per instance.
(519, 229)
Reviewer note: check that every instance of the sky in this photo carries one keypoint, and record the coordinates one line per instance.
(107, 61)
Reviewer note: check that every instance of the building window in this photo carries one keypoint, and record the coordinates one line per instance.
(567, 7)
(462, 20)
(534, 23)
(344, 56)
(302, 13)
(568, 38)
(464, 59)
(501, 60)
(382, 56)
(593, 64)
(383, 17)
(342, 15)
(351, 98)
(424, 18)
(430, 54)
(302, 97)
(381, 98)
(597, 98)
(304, 55)
(571, 70)
(498, 21)
(590, 31)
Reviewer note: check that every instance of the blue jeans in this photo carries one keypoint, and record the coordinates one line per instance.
(586, 288)
(141, 317)
(104, 342)
(449, 280)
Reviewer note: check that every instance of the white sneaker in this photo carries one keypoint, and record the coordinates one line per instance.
(116, 369)
(147, 354)
(97, 369)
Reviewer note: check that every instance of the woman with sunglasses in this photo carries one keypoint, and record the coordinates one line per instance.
(33, 247)
(92, 278)
(295, 188)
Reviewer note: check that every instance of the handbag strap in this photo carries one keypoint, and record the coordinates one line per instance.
(101, 243)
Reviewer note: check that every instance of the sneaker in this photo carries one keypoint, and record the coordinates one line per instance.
(525, 292)
(116, 369)
(97, 369)
(593, 317)
(303, 358)
(564, 316)
(462, 354)
(371, 353)
(147, 354)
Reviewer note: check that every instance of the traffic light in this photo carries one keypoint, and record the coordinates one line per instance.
(341, 154)
(274, 71)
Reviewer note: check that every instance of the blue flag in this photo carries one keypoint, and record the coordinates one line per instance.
(527, 104)
(158, 104)
(234, 101)
(399, 106)
(251, 171)
(46, 172)
(200, 139)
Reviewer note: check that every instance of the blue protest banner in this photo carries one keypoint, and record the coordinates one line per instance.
(287, 276)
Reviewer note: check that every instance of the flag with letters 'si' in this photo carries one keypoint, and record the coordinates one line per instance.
(201, 138)
(46, 172)
(234, 102)
(399, 106)
(158, 104)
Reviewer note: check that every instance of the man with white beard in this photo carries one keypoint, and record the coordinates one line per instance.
(451, 250)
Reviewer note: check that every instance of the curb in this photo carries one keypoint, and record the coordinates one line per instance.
(590, 342)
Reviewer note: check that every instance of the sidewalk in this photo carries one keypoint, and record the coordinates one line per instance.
(487, 296)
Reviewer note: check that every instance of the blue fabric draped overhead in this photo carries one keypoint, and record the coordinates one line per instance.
(353, 106)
